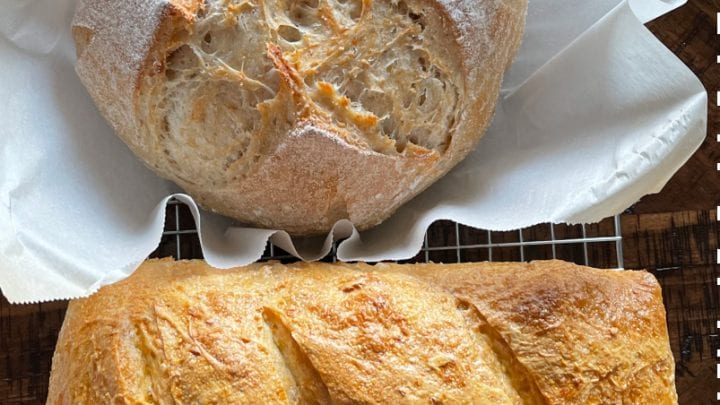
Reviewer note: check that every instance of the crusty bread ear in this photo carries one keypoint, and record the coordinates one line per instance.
(373, 99)
(316, 333)
(82, 37)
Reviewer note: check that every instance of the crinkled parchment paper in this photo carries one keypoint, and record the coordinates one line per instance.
(594, 114)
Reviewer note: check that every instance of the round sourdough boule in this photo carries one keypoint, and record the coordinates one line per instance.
(293, 114)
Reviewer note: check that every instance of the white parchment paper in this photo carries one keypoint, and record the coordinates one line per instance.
(594, 114)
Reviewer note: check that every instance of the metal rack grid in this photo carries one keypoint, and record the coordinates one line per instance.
(180, 240)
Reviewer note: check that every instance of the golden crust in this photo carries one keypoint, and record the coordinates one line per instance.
(341, 163)
(544, 332)
(586, 335)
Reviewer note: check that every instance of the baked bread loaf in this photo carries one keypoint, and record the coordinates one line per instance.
(500, 333)
(294, 114)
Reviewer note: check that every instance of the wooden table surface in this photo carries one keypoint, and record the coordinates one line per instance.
(674, 234)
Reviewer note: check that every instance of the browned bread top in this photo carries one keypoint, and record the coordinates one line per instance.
(544, 332)
(294, 114)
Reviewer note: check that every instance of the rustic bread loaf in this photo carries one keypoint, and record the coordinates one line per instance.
(293, 114)
(538, 333)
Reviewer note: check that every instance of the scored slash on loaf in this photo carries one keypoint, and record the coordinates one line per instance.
(483, 333)
(294, 114)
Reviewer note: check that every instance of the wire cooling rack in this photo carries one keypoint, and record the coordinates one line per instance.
(597, 245)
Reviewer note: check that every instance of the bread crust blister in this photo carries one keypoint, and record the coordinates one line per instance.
(294, 114)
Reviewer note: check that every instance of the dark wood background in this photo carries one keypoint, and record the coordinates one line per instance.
(674, 234)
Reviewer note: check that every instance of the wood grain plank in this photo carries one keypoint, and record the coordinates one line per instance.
(27, 340)
(679, 249)
(690, 32)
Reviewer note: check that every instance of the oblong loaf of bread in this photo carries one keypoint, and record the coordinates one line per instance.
(537, 333)
(294, 114)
